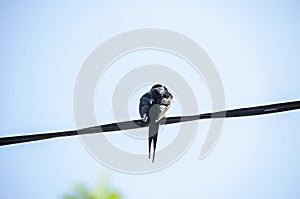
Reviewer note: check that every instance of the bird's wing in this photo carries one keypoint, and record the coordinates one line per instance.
(145, 103)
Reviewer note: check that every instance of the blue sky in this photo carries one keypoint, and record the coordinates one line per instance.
(254, 45)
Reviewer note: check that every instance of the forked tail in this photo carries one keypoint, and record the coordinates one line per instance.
(153, 132)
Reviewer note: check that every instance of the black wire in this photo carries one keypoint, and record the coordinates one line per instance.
(251, 111)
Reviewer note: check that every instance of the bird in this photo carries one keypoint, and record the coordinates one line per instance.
(152, 108)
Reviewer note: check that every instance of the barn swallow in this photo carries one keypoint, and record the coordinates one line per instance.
(153, 107)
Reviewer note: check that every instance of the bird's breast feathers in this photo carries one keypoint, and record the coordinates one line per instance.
(161, 112)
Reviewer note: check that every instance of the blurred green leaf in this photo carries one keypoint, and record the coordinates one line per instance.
(101, 191)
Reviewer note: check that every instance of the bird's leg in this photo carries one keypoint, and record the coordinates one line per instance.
(145, 117)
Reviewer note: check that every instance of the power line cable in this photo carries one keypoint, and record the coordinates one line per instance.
(241, 112)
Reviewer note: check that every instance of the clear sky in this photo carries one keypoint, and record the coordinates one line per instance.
(254, 45)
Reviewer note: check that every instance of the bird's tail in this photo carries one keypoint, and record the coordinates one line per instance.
(153, 132)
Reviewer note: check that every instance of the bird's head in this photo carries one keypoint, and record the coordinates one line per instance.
(158, 89)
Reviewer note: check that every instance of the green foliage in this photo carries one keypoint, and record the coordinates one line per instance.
(102, 191)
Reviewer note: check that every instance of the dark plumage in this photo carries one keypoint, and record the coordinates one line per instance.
(153, 107)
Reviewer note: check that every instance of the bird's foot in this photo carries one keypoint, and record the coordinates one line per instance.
(145, 118)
